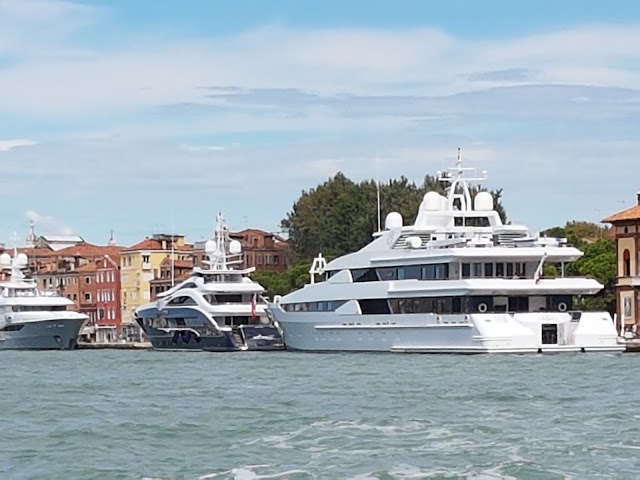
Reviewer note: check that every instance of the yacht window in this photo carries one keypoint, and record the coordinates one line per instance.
(228, 298)
(442, 305)
(518, 304)
(499, 270)
(477, 270)
(409, 272)
(488, 270)
(457, 221)
(429, 272)
(364, 275)
(442, 271)
(466, 270)
(377, 306)
(521, 270)
(509, 270)
(182, 300)
(387, 274)
(500, 304)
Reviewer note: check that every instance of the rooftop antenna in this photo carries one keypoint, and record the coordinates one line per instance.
(378, 190)
(173, 261)
(456, 179)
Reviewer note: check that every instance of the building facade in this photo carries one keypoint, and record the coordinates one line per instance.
(263, 250)
(163, 279)
(138, 264)
(109, 321)
(626, 231)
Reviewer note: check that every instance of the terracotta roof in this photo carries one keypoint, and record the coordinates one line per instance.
(177, 263)
(88, 250)
(632, 213)
(87, 267)
(152, 244)
(34, 252)
(146, 244)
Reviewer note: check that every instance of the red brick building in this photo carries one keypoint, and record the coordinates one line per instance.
(108, 303)
(263, 250)
(87, 297)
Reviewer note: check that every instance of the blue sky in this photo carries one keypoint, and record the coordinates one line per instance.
(153, 115)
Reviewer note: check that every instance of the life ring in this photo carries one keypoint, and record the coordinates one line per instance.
(482, 307)
(562, 307)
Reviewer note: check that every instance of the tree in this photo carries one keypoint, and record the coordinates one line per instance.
(276, 283)
(598, 261)
(339, 216)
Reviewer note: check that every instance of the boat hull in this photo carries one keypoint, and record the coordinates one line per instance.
(60, 334)
(463, 334)
(254, 338)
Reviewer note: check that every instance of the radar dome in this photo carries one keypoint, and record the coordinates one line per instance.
(5, 259)
(432, 201)
(235, 247)
(393, 221)
(413, 242)
(483, 202)
(22, 259)
(210, 246)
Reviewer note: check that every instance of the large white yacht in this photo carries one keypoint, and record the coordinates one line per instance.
(218, 308)
(457, 281)
(31, 319)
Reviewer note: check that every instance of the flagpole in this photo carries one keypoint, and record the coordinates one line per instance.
(173, 262)
(378, 189)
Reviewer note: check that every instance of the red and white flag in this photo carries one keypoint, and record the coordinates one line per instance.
(254, 301)
(537, 276)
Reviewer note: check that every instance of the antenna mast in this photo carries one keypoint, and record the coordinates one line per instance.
(173, 261)
(378, 189)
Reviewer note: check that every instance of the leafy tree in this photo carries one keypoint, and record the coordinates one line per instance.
(598, 261)
(276, 283)
(339, 216)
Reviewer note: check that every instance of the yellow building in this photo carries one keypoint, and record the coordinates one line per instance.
(626, 229)
(138, 264)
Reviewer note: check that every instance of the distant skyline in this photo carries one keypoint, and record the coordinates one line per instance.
(153, 115)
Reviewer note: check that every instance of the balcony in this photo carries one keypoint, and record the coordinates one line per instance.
(146, 265)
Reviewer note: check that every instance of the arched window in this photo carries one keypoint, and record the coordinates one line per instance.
(626, 262)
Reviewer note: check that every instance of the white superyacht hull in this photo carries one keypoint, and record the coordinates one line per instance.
(50, 334)
(464, 334)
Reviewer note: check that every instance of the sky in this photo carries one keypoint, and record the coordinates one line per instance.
(151, 116)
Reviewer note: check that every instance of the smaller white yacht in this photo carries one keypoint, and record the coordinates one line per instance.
(218, 308)
(31, 319)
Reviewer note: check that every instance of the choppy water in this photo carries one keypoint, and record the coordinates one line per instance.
(163, 415)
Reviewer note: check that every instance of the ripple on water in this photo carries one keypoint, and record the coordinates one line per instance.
(135, 415)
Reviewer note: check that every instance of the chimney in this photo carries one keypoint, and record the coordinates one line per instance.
(638, 197)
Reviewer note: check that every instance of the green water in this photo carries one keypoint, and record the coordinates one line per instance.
(163, 415)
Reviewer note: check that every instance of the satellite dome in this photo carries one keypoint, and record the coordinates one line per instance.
(210, 246)
(235, 247)
(413, 242)
(483, 202)
(393, 221)
(432, 201)
(22, 259)
(5, 259)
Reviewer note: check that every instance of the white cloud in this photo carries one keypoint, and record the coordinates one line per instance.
(59, 79)
(259, 115)
(6, 145)
(45, 224)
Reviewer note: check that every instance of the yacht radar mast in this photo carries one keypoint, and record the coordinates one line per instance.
(458, 181)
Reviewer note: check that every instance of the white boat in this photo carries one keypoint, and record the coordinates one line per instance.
(31, 319)
(218, 308)
(457, 281)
